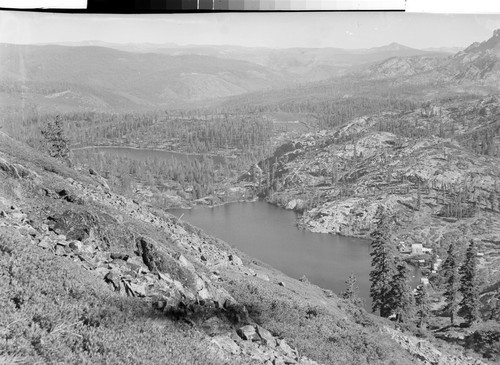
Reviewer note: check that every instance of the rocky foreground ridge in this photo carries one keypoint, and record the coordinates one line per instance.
(151, 257)
(133, 264)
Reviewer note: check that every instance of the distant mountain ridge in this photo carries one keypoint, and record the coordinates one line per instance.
(451, 50)
(104, 76)
(134, 46)
(111, 78)
(300, 63)
(394, 46)
(478, 63)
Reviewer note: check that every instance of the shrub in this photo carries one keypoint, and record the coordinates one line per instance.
(54, 311)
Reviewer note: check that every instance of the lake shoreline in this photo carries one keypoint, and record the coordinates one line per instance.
(152, 149)
(205, 206)
(270, 234)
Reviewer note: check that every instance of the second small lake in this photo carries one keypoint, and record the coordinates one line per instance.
(142, 154)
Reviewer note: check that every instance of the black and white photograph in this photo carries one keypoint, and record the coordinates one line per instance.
(282, 187)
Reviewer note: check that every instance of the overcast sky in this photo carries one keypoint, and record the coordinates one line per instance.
(281, 30)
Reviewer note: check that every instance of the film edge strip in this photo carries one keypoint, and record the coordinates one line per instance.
(162, 6)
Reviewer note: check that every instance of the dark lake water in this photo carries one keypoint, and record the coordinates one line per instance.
(269, 233)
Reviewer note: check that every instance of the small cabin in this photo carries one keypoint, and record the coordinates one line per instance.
(417, 249)
(424, 281)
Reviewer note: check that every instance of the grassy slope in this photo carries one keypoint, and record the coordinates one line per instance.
(52, 310)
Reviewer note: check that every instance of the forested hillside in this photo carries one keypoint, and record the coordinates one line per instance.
(102, 78)
(434, 172)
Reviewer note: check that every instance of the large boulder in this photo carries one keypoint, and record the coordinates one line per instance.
(266, 336)
(9, 169)
(100, 179)
(70, 196)
(283, 346)
(18, 171)
(227, 344)
(235, 260)
(248, 333)
(159, 261)
(85, 225)
(215, 326)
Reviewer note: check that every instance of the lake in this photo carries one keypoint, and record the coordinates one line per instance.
(142, 154)
(269, 233)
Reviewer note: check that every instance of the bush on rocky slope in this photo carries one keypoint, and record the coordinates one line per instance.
(52, 310)
(336, 333)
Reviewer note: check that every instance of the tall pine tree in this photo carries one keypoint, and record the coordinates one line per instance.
(469, 306)
(383, 256)
(56, 141)
(401, 299)
(451, 282)
(422, 306)
(351, 287)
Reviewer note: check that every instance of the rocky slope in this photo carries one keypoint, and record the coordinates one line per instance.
(85, 223)
(135, 254)
(476, 65)
(437, 188)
